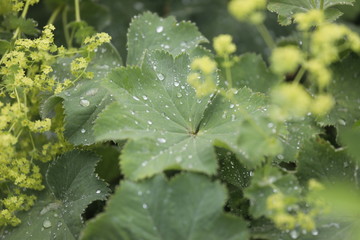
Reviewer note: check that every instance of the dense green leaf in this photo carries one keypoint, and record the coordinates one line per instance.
(150, 32)
(71, 185)
(287, 8)
(84, 101)
(251, 71)
(27, 26)
(4, 46)
(188, 206)
(267, 181)
(345, 87)
(319, 160)
(351, 138)
(168, 126)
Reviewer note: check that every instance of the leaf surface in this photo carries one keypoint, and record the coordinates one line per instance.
(287, 8)
(71, 185)
(188, 206)
(150, 32)
(168, 127)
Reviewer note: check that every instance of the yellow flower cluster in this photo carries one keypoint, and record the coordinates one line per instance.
(291, 101)
(223, 45)
(93, 42)
(313, 17)
(18, 5)
(201, 79)
(248, 10)
(286, 59)
(278, 206)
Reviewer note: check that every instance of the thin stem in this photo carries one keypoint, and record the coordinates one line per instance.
(264, 32)
(23, 15)
(228, 72)
(300, 74)
(321, 4)
(65, 26)
(54, 15)
(77, 11)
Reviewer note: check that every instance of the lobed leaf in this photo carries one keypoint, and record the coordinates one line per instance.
(168, 127)
(71, 185)
(188, 206)
(287, 8)
(149, 32)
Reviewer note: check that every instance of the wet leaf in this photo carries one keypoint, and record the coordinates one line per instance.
(71, 185)
(188, 206)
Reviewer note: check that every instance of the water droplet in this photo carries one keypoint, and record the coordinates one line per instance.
(47, 224)
(161, 140)
(280, 157)
(139, 193)
(144, 164)
(83, 131)
(160, 76)
(145, 97)
(294, 234)
(145, 206)
(178, 159)
(135, 98)
(179, 95)
(315, 232)
(84, 103)
(149, 122)
(232, 105)
(159, 29)
(342, 122)
(176, 84)
(92, 92)
(98, 191)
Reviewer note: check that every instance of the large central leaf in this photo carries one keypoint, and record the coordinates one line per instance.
(168, 127)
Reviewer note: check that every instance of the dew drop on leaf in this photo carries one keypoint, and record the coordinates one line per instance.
(84, 103)
(159, 29)
(294, 234)
(135, 98)
(83, 130)
(161, 140)
(179, 95)
(144, 206)
(47, 223)
(149, 122)
(98, 191)
(160, 76)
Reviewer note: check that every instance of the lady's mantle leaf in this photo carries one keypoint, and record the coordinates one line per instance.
(287, 8)
(168, 126)
(71, 185)
(187, 207)
(150, 32)
(84, 101)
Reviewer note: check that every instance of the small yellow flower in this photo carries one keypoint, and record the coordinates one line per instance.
(305, 221)
(204, 64)
(223, 45)
(291, 100)
(284, 221)
(244, 10)
(319, 72)
(313, 17)
(286, 59)
(322, 105)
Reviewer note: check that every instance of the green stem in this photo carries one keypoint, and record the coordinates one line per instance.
(266, 35)
(23, 15)
(300, 74)
(77, 11)
(228, 72)
(54, 15)
(65, 26)
(321, 4)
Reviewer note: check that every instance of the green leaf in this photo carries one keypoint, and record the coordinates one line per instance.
(71, 186)
(288, 8)
(84, 101)
(150, 32)
(4, 46)
(188, 206)
(319, 160)
(345, 88)
(267, 181)
(168, 126)
(251, 71)
(351, 137)
(27, 26)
